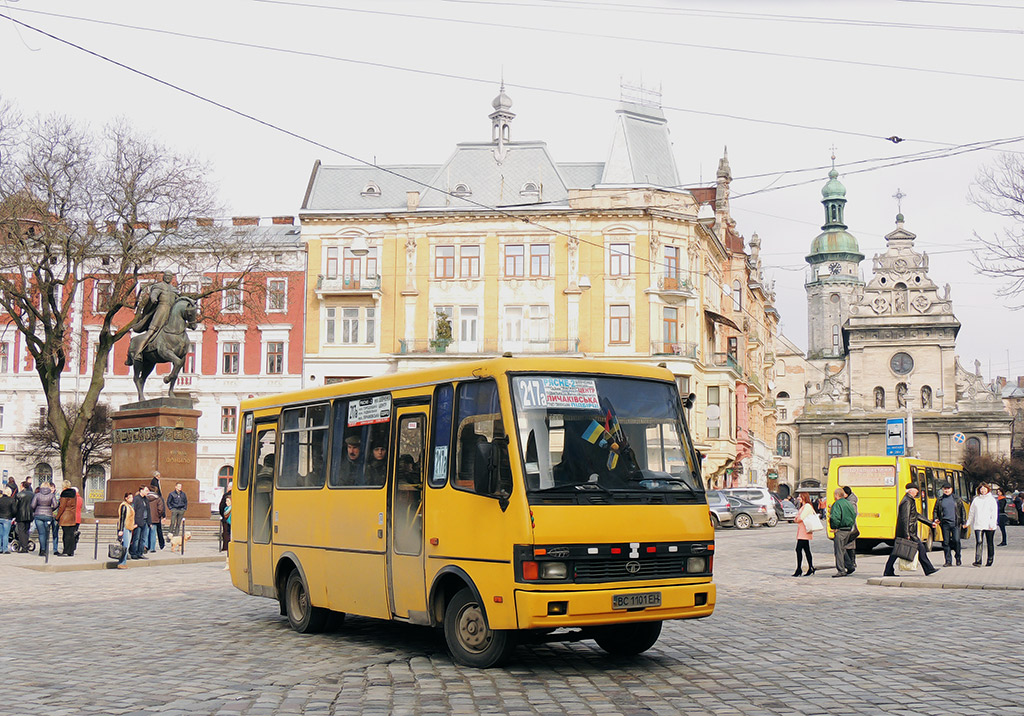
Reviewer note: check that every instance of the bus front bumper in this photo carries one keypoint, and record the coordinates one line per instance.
(535, 610)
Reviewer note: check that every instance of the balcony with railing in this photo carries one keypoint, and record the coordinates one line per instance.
(554, 346)
(681, 349)
(727, 360)
(673, 288)
(347, 285)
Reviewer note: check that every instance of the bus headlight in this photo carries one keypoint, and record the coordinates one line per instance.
(696, 564)
(553, 570)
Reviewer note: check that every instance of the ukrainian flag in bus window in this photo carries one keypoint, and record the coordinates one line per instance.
(596, 434)
(613, 459)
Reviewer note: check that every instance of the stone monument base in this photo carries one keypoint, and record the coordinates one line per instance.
(158, 434)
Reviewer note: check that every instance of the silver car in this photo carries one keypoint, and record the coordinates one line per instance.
(727, 510)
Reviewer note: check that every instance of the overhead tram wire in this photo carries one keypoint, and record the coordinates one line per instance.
(525, 219)
(643, 40)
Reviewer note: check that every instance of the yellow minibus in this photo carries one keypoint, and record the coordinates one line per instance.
(505, 500)
(880, 483)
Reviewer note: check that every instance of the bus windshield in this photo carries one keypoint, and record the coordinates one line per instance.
(604, 434)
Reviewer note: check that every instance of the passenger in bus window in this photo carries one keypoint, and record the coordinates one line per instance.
(376, 466)
(351, 471)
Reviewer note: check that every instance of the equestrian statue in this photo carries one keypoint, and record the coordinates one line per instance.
(161, 319)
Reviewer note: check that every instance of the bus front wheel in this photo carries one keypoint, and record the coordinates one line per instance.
(303, 617)
(628, 639)
(471, 641)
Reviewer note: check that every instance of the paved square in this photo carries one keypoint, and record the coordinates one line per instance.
(181, 640)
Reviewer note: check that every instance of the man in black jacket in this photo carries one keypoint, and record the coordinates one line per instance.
(951, 515)
(177, 503)
(24, 516)
(140, 504)
(907, 518)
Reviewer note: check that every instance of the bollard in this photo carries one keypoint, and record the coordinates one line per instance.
(181, 531)
(96, 542)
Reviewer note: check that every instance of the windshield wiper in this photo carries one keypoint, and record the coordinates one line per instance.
(585, 486)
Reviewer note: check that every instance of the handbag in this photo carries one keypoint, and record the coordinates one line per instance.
(115, 550)
(812, 523)
(908, 565)
(904, 548)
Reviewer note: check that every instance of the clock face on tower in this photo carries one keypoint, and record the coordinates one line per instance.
(901, 363)
(834, 268)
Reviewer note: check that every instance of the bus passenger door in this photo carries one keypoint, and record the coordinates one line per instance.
(261, 512)
(406, 586)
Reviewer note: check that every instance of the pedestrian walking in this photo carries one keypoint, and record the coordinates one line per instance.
(140, 533)
(125, 526)
(66, 519)
(225, 526)
(804, 535)
(44, 502)
(1001, 516)
(24, 515)
(177, 504)
(983, 518)
(1018, 502)
(951, 515)
(227, 519)
(907, 519)
(157, 512)
(8, 511)
(841, 518)
(822, 507)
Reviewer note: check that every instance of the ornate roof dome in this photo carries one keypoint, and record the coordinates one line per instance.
(834, 189)
(502, 101)
(835, 241)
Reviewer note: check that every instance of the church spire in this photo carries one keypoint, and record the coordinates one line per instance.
(501, 121)
(834, 199)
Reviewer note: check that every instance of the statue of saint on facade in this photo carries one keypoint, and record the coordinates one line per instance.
(161, 318)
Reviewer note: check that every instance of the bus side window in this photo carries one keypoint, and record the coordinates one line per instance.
(245, 468)
(303, 447)
(482, 440)
(444, 405)
(929, 482)
(263, 487)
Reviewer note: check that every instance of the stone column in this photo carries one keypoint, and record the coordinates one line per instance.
(158, 434)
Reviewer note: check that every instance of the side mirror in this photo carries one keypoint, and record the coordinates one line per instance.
(497, 464)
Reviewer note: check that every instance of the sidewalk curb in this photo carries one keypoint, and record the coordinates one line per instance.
(900, 582)
(110, 564)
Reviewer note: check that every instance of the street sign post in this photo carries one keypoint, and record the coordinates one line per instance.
(958, 438)
(895, 436)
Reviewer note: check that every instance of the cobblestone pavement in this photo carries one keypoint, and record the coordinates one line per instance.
(180, 639)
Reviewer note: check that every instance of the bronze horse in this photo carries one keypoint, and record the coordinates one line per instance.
(170, 345)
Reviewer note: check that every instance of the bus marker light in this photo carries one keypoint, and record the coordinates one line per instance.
(530, 570)
(652, 549)
(591, 550)
(673, 548)
(499, 600)
(616, 550)
(539, 551)
(434, 541)
(558, 608)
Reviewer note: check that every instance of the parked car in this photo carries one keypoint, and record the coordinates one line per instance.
(759, 496)
(789, 510)
(727, 510)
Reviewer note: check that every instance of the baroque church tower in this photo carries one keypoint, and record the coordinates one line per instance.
(833, 280)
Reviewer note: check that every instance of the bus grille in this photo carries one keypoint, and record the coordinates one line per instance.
(616, 570)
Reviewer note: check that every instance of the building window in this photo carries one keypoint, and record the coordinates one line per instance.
(468, 325)
(224, 476)
(232, 301)
(444, 262)
(371, 325)
(189, 368)
(42, 417)
(276, 294)
(4, 357)
(231, 358)
(350, 325)
(96, 355)
(329, 324)
(734, 349)
(618, 260)
(618, 328)
(371, 264)
(351, 269)
(835, 338)
(462, 190)
(331, 270)
(782, 414)
(540, 324)
(540, 260)
(834, 448)
(672, 263)
(513, 323)
(515, 261)
(783, 445)
(670, 325)
(104, 291)
(974, 445)
(714, 415)
(228, 420)
(469, 261)
(1, 417)
(275, 357)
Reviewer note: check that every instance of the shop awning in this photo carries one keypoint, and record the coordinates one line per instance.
(719, 318)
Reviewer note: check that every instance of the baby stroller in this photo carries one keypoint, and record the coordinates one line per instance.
(16, 546)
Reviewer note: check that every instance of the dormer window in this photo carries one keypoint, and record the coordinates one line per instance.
(371, 189)
(530, 189)
(461, 190)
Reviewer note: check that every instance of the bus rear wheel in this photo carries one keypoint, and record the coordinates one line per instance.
(627, 639)
(470, 640)
(303, 617)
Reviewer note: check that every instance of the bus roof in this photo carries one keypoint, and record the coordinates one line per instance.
(461, 370)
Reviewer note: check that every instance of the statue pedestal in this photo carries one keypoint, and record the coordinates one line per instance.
(158, 434)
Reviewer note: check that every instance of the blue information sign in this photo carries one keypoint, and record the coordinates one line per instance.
(895, 436)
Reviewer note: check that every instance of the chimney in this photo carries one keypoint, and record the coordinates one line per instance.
(170, 225)
(245, 220)
(1020, 381)
(412, 200)
(284, 220)
(1001, 381)
(204, 221)
(141, 225)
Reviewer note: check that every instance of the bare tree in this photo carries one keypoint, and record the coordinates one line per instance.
(83, 213)
(999, 189)
(42, 443)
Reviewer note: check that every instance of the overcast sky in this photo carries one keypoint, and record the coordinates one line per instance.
(404, 81)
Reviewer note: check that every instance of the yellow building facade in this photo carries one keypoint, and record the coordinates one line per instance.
(501, 250)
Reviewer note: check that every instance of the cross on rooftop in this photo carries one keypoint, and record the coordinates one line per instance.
(899, 196)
